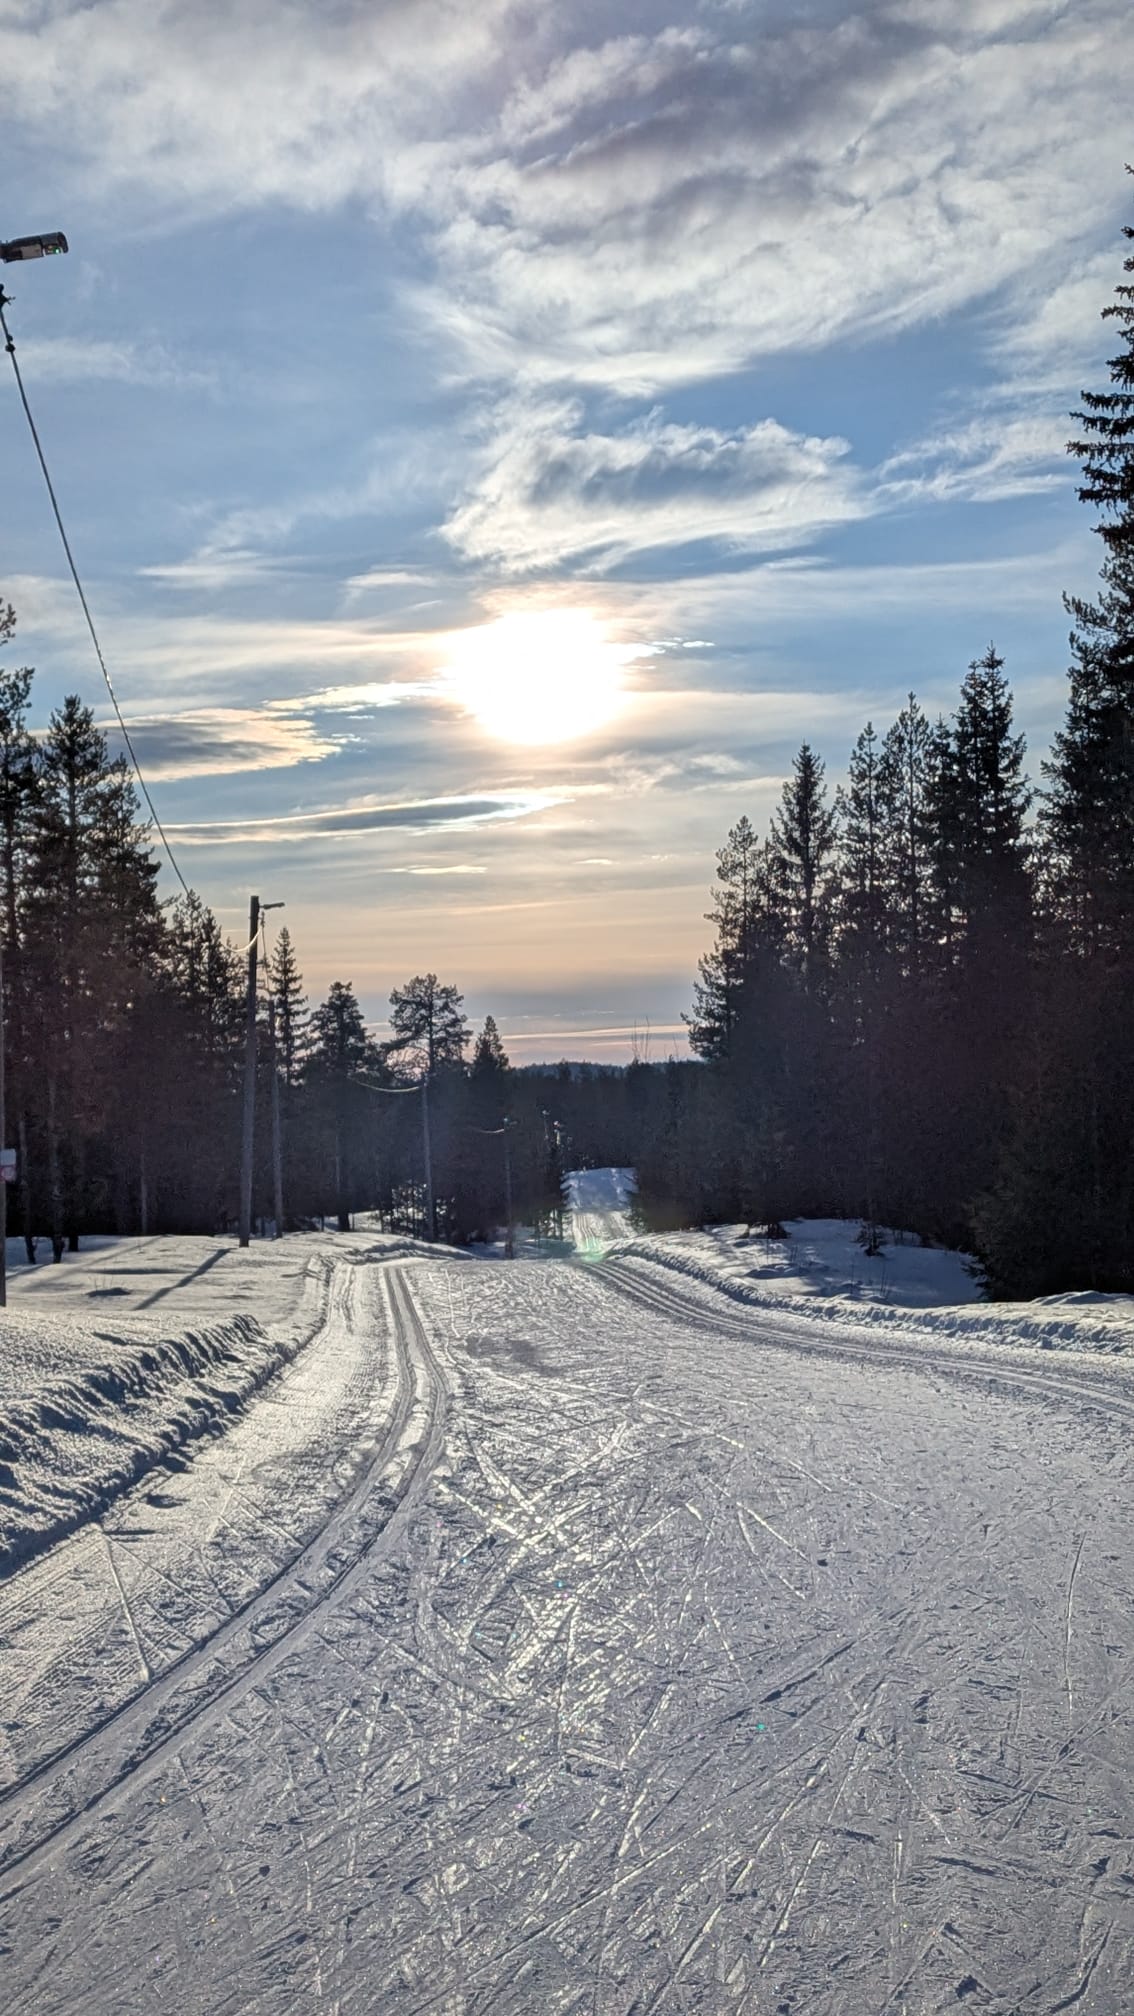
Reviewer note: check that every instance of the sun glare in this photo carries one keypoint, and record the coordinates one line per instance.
(548, 675)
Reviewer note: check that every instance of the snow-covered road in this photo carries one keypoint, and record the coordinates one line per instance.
(563, 1638)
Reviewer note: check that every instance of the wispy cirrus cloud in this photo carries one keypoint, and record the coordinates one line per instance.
(553, 490)
(217, 741)
(987, 458)
(366, 816)
(632, 210)
(68, 360)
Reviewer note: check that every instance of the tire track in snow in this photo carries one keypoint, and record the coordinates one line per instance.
(149, 1726)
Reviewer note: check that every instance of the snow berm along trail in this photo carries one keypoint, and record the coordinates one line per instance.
(577, 1637)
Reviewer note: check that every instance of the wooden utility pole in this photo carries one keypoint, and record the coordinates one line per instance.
(277, 1133)
(510, 1241)
(427, 1148)
(248, 1139)
(3, 1135)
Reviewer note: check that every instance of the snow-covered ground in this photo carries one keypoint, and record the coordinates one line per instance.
(126, 1352)
(821, 1272)
(550, 1639)
(598, 1205)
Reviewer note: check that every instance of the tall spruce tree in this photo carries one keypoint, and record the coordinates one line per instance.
(93, 925)
(863, 931)
(341, 1053)
(1088, 814)
(737, 901)
(862, 882)
(285, 982)
(1061, 1214)
(904, 812)
(489, 1059)
(980, 803)
(803, 847)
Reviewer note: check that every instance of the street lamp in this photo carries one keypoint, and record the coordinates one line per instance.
(11, 249)
(42, 246)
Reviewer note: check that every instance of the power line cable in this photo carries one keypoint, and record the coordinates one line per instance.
(10, 346)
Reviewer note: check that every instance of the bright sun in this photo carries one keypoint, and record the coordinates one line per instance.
(546, 675)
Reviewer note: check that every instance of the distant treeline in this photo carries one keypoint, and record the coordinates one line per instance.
(919, 1005)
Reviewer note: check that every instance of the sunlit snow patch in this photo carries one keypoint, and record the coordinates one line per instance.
(598, 1201)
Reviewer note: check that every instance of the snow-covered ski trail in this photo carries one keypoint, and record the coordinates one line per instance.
(77, 1779)
(656, 1657)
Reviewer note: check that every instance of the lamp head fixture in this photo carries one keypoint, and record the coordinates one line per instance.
(41, 246)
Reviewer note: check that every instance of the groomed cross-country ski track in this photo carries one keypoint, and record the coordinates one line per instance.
(571, 1638)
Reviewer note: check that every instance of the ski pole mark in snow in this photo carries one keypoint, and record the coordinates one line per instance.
(152, 1720)
(1067, 1629)
(126, 1610)
(518, 1760)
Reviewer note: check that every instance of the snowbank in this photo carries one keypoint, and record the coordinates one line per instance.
(819, 1271)
(84, 1412)
(117, 1358)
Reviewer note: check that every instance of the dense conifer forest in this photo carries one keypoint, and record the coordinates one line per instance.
(916, 1008)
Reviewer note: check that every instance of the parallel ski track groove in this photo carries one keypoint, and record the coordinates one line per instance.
(141, 1707)
(666, 1301)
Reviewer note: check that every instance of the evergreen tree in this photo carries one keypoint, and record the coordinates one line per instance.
(93, 925)
(1061, 1213)
(341, 1053)
(864, 927)
(489, 1060)
(981, 798)
(803, 845)
(1088, 815)
(430, 1030)
(863, 893)
(903, 810)
(717, 990)
(285, 982)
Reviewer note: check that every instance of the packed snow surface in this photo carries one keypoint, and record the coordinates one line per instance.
(598, 1202)
(820, 1269)
(580, 1639)
(124, 1353)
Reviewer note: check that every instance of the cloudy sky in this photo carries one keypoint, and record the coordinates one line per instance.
(494, 436)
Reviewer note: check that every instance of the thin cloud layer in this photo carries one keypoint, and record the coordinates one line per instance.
(221, 740)
(627, 210)
(334, 821)
(553, 491)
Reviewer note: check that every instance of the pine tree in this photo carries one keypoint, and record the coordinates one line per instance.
(864, 925)
(1061, 1213)
(980, 803)
(340, 1054)
(903, 809)
(1088, 815)
(93, 926)
(428, 1021)
(863, 894)
(717, 991)
(286, 984)
(803, 845)
(489, 1059)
